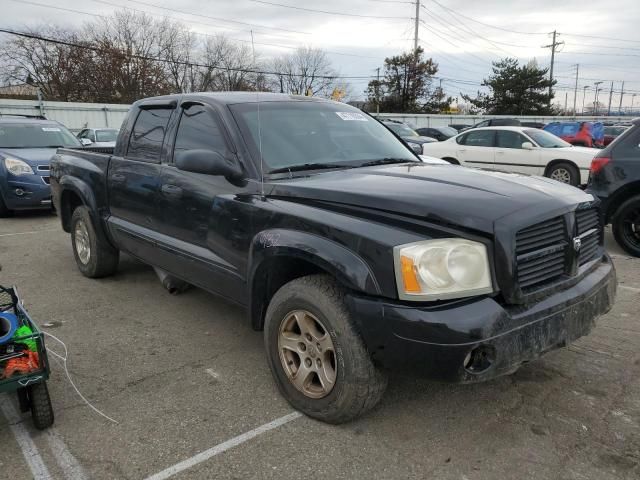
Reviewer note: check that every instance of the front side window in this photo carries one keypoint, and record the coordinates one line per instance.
(480, 138)
(509, 139)
(148, 132)
(199, 130)
(294, 134)
(36, 135)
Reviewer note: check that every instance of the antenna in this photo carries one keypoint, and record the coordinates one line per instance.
(253, 50)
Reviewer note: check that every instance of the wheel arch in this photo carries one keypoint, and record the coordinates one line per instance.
(278, 256)
(623, 194)
(451, 160)
(556, 161)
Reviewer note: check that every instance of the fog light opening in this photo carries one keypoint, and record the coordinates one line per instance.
(479, 359)
(19, 192)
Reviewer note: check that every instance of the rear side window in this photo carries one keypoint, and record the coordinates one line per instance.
(199, 130)
(480, 138)
(148, 132)
(509, 139)
(628, 144)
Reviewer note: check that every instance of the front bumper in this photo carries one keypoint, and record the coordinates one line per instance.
(25, 193)
(436, 341)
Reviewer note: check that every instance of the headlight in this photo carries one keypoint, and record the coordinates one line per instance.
(441, 269)
(17, 167)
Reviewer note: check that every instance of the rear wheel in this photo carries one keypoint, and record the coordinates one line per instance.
(316, 354)
(565, 173)
(94, 256)
(626, 226)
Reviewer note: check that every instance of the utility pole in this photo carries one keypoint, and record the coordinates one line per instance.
(621, 95)
(584, 95)
(595, 103)
(610, 97)
(566, 95)
(553, 46)
(632, 99)
(378, 93)
(415, 33)
(575, 91)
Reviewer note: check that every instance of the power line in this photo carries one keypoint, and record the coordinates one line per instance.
(600, 38)
(326, 12)
(486, 24)
(164, 60)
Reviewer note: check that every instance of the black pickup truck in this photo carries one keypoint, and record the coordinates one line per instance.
(352, 255)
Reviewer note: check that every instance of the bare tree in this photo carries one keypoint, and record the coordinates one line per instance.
(307, 71)
(230, 66)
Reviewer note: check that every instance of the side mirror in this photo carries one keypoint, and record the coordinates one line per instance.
(527, 146)
(207, 162)
(85, 142)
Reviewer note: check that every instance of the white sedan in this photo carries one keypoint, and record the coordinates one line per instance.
(517, 149)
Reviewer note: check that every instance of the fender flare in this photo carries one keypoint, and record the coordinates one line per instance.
(83, 191)
(335, 259)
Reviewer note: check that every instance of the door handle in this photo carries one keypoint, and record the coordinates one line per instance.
(171, 190)
(118, 178)
(499, 152)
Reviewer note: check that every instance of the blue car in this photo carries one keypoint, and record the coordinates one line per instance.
(26, 146)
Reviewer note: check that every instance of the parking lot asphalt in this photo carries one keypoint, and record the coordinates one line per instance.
(185, 374)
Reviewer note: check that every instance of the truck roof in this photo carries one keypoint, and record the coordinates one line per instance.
(229, 98)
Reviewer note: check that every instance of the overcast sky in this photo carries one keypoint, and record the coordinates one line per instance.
(459, 34)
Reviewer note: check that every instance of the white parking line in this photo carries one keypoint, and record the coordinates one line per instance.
(29, 450)
(624, 287)
(29, 233)
(223, 447)
(68, 464)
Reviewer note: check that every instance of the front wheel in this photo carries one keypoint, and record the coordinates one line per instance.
(565, 173)
(626, 226)
(94, 256)
(316, 354)
(41, 409)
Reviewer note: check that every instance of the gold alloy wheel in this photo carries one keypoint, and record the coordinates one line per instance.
(307, 354)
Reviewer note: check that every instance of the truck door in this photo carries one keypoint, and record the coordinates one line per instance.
(198, 212)
(134, 183)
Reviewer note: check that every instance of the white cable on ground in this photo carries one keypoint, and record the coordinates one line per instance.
(66, 370)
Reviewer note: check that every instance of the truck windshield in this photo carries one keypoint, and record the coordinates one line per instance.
(546, 139)
(36, 135)
(301, 135)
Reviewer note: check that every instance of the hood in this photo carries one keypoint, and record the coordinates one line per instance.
(443, 194)
(32, 156)
(584, 150)
(420, 140)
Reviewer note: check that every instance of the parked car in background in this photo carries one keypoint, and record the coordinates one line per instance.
(439, 133)
(409, 135)
(539, 125)
(495, 122)
(615, 179)
(351, 255)
(26, 146)
(517, 149)
(580, 134)
(613, 132)
(98, 137)
(459, 126)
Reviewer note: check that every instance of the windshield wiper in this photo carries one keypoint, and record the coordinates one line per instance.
(308, 166)
(386, 161)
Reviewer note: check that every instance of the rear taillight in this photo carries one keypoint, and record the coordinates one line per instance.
(598, 164)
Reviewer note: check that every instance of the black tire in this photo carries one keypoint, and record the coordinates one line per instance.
(626, 226)
(565, 170)
(41, 409)
(359, 384)
(103, 258)
(4, 211)
(452, 161)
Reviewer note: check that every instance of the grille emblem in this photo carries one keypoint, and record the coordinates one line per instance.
(577, 244)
